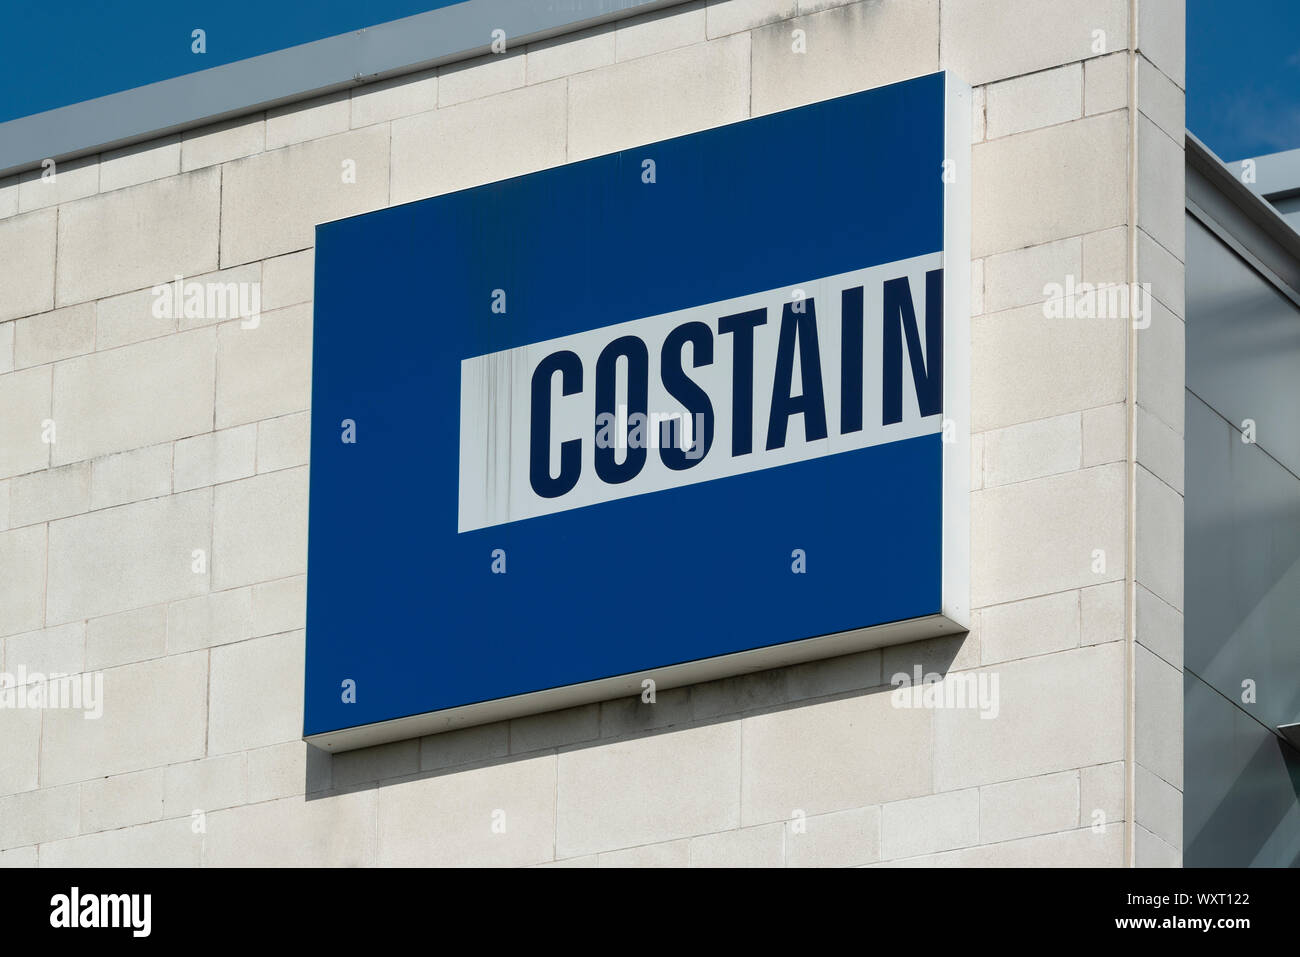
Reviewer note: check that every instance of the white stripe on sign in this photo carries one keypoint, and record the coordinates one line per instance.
(760, 381)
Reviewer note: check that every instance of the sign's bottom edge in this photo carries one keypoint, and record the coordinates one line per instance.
(605, 689)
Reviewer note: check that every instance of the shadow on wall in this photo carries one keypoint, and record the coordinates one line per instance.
(1243, 787)
(628, 718)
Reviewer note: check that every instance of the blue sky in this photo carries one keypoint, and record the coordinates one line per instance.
(1243, 75)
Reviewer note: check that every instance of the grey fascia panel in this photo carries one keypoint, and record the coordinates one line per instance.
(1276, 174)
(1215, 191)
(419, 42)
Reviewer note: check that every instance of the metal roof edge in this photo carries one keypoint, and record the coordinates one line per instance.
(1250, 204)
(426, 40)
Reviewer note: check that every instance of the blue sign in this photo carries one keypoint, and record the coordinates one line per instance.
(687, 410)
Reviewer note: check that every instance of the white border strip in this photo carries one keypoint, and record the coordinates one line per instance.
(956, 352)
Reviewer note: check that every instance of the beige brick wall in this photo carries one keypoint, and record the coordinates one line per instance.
(177, 435)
